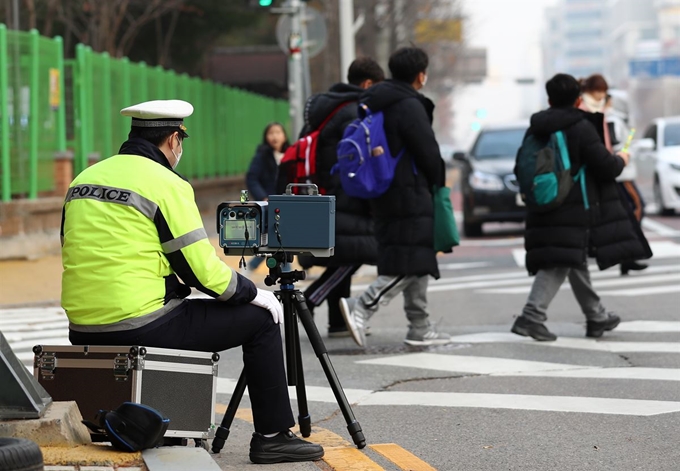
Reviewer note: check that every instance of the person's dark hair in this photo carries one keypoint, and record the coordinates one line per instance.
(563, 90)
(364, 68)
(155, 136)
(285, 134)
(406, 63)
(594, 83)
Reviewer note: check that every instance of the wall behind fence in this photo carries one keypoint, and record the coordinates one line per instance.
(48, 105)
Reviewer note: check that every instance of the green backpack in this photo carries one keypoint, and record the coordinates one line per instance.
(543, 171)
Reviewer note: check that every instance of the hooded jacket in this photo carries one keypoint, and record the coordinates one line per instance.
(569, 233)
(354, 240)
(404, 223)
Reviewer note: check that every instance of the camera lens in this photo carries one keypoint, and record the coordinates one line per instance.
(232, 214)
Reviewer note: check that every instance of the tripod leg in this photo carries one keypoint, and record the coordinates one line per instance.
(322, 354)
(304, 419)
(222, 432)
(290, 333)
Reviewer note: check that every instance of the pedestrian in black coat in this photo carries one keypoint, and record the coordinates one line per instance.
(263, 170)
(559, 241)
(355, 244)
(404, 215)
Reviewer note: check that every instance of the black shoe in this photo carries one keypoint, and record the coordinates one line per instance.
(284, 447)
(535, 330)
(631, 266)
(596, 329)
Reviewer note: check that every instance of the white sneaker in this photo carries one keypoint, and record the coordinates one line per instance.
(355, 318)
(426, 336)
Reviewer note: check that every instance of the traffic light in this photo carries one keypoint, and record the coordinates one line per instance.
(256, 4)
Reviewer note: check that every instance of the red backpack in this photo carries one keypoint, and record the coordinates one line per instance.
(299, 161)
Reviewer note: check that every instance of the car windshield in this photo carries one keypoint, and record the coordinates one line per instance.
(671, 135)
(500, 143)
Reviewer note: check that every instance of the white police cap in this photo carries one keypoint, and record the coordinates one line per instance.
(159, 113)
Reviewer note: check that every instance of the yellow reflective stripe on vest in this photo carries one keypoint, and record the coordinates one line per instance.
(189, 238)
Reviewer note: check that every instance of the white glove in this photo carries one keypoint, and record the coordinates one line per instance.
(269, 301)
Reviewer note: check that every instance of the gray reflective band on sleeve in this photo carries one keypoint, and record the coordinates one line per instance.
(231, 287)
(187, 239)
(109, 194)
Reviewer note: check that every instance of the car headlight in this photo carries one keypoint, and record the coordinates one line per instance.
(675, 167)
(485, 181)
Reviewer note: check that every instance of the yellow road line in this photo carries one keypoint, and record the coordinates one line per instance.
(401, 457)
(341, 455)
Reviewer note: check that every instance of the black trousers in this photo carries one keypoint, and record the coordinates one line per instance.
(209, 325)
(333, 284)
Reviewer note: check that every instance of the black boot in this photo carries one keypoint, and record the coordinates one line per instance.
(596, 329)
(535, 330)
(634, 266)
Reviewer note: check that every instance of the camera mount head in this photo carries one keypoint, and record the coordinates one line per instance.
(275, 263)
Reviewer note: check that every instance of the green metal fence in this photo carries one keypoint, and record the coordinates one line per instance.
(225, 128)
(31, 112)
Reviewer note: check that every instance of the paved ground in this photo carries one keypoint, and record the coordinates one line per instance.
(491, 400)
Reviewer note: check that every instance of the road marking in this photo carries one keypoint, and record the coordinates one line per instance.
(467, 364)
(661, 249)
(659, 228)
(620, 281)
(641, 291)
(649, 326)
(341, 455)
(589, 405)
(575, 343)
(493, 366)
(402, 458)
(639, 373)
(463, 266)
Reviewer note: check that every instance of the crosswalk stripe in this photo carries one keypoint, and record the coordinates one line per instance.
(576, 404)
(628, 281)
(574, 343)
(13, 337)
(642, 291)
(467, 364)
(494, 366)
(42, 326)
(579, 404)
(35, 319)
(649, 326)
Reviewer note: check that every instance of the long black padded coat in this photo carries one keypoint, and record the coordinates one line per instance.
(355, 243)
(404, 224)
(567, 235)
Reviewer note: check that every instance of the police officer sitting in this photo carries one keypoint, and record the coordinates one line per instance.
(130, 227)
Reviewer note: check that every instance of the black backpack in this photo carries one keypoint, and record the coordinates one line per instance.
(131, 427)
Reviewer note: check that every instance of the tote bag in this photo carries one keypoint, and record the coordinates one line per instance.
(446, 235)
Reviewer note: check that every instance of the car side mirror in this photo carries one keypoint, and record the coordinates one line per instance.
(645, 144)
(459, 157)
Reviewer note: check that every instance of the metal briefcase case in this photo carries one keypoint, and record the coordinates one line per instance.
(179, 384)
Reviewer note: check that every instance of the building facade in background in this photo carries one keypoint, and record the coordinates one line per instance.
(634, 43)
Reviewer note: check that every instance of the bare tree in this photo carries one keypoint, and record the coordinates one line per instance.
(111, 25)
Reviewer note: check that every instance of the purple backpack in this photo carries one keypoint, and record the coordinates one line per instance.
(365, 163)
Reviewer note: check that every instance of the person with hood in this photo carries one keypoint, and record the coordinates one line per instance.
(558, 242)
(355, 244)
(403, 216)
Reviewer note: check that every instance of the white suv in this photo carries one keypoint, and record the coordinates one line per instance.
(662, 142)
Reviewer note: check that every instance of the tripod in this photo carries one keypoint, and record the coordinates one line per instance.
(294, 308)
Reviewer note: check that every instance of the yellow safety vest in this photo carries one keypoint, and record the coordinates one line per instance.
(128, 223)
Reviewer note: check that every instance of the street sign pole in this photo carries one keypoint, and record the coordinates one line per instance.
(295, 77)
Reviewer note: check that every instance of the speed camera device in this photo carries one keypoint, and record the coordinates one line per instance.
(295, 224)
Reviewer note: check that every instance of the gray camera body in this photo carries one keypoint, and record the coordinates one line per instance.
(295, 224)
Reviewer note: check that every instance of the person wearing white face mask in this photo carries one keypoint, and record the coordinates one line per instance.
(594, 92)
(130, 228)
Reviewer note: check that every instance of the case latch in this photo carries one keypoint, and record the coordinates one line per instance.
(47, 364)
(121, 367)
